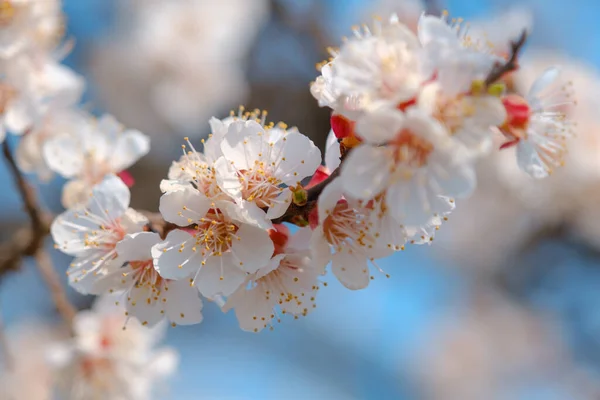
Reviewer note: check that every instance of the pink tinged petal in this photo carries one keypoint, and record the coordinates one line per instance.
(301, 158)
(64, 156)
(183, 305)
(542, 83)
(110, 198)
(366, 172)
(280, 205)
(381, 125)
(253, 250)
(130, 146)
(332, 152)
(184, 207)
(137, 246)
(220, 276)
(243, 143)
(329, 198)
(142, 305)
(433, 28)
(175, 258)
(228, 179)
(350, 269)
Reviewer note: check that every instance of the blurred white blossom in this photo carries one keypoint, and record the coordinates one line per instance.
(110, 357)
(173, 64)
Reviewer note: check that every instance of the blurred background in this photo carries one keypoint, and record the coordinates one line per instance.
(503, 305)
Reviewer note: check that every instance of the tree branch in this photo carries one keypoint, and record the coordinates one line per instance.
(57, 291)
(500, 69)
(26, 241)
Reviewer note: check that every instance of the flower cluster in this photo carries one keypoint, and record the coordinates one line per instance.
(104, 361)
(253, 220)
(38, 101)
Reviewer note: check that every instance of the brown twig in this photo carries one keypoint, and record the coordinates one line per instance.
(9, 360)
(158, 224)
(30, 241)
(500, 69)
(52, 280)
(25, 241)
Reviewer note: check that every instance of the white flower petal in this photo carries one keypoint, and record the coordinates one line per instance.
(254, 248)
(302, 158)
(174, 258)
(183, 305)
(130, 146)
(329, 198)
(220, 276)
(457, 181)
(366, 171)
(136, 247)
(184, 207)
(75, 193)
(332, 152)
(547, 78)
(110, 198)
(433, 28)
(228, 178)
(529, 160)
(140, 305)
(64, 156)
(380, 125)
(244, 140)
(280, 206)
(350, 269)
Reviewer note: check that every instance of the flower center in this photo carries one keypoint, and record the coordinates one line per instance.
(260, 186)
(106, 237)
(215, 234)
(343, 225)
(144, 275)
(410, 150)
(451, 112)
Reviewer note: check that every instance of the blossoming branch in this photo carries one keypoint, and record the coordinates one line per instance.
(254, 218)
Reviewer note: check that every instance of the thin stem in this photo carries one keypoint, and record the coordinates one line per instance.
(26, 191)
(57, 291)
(500, 69)
(9, 360)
